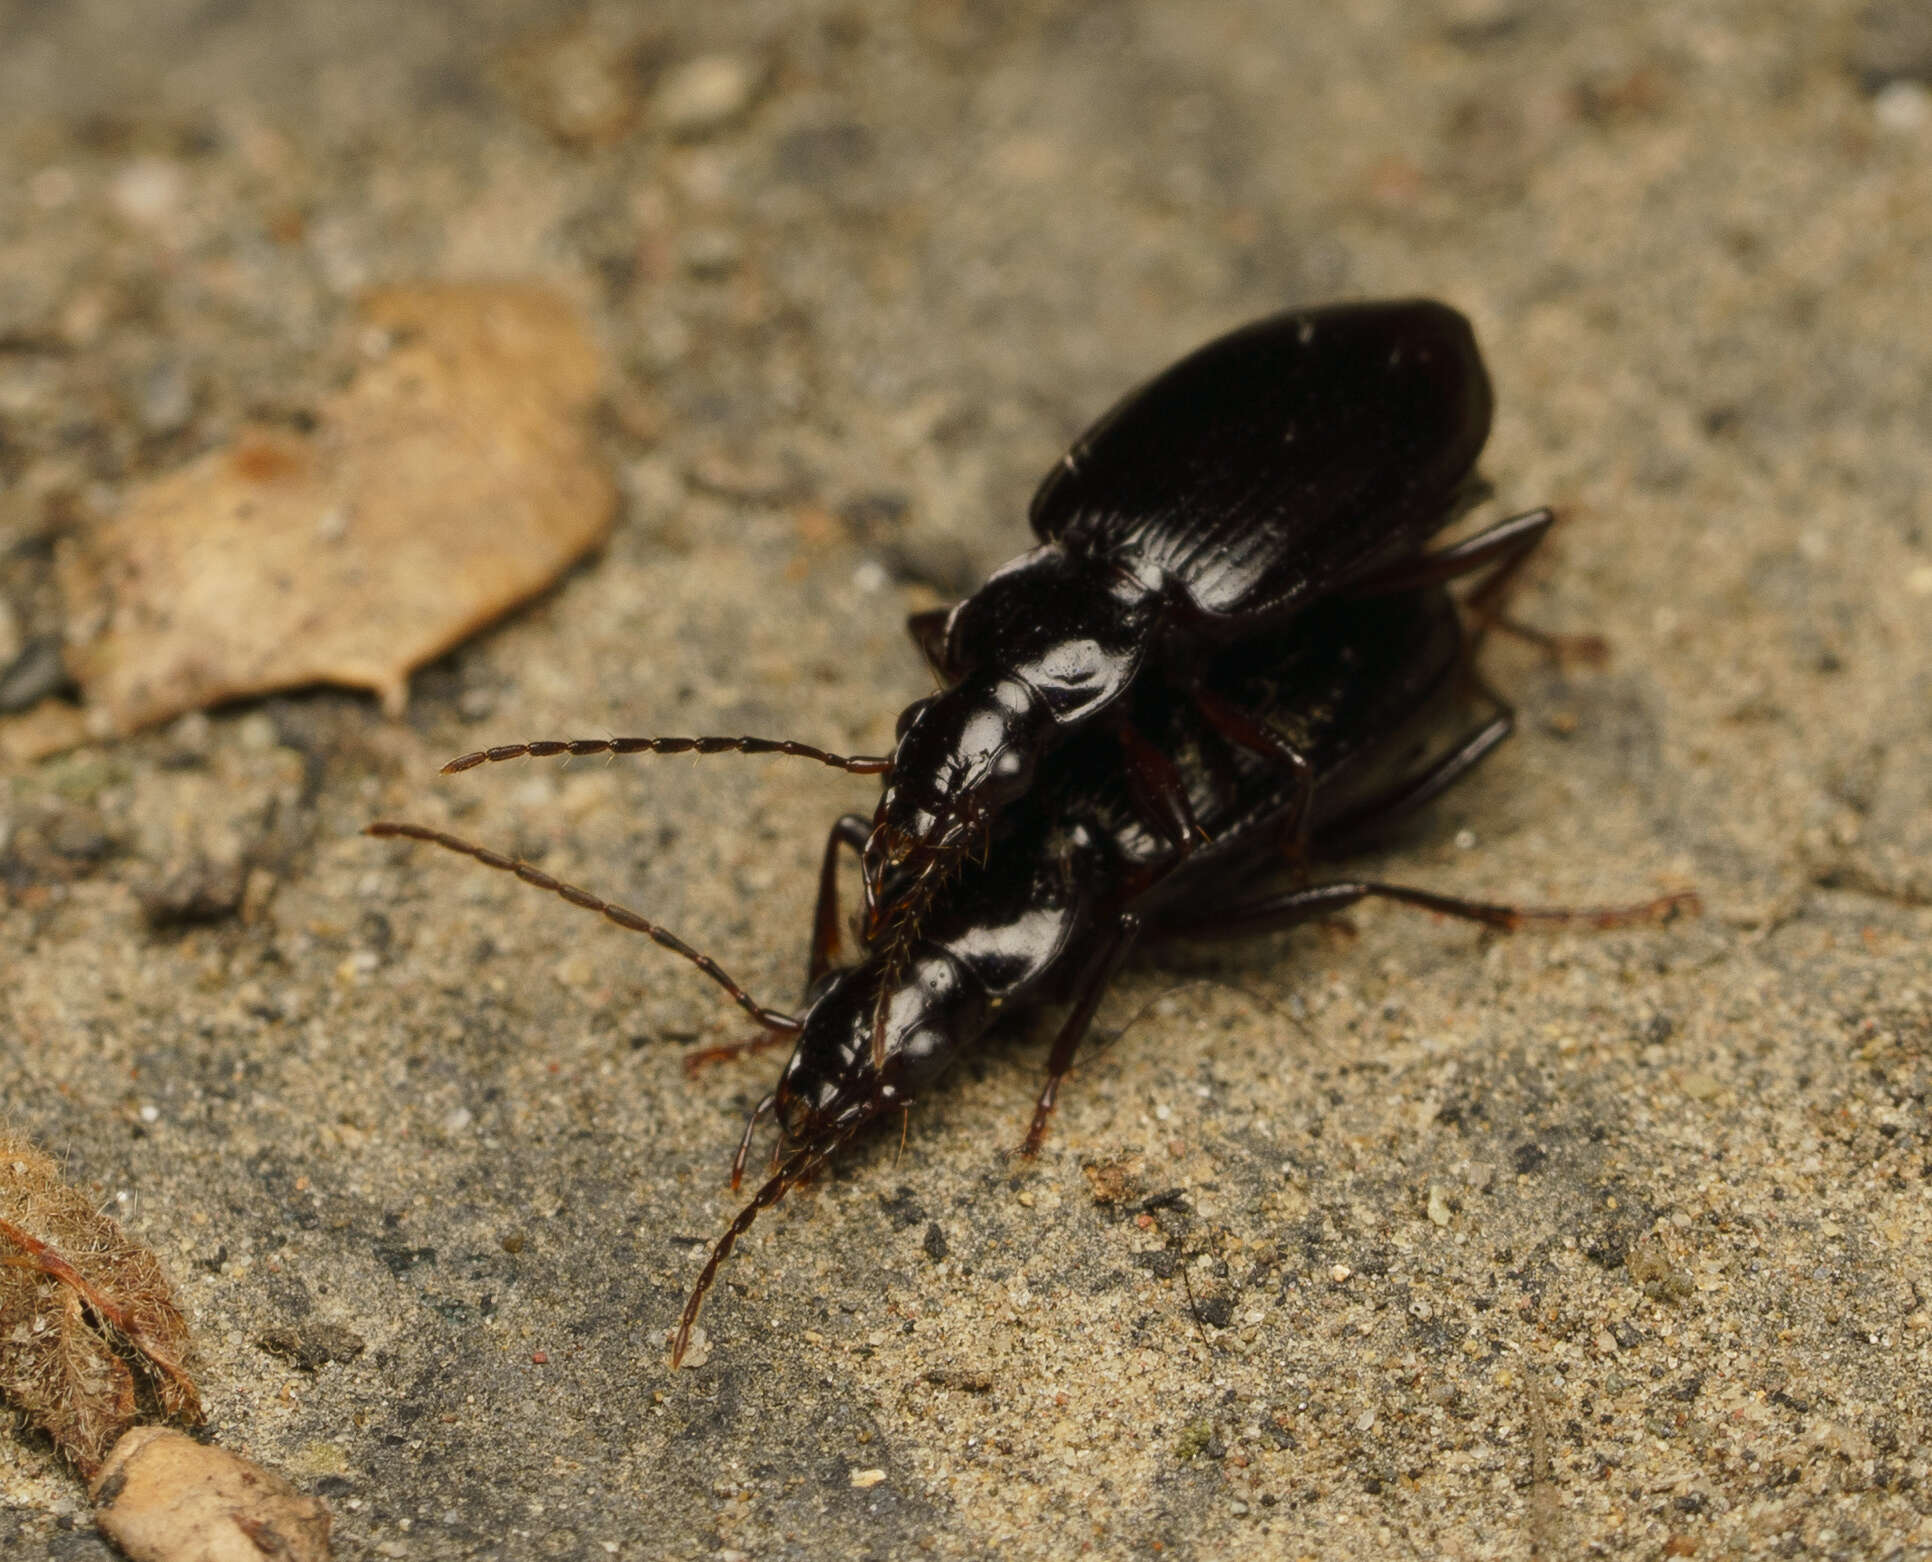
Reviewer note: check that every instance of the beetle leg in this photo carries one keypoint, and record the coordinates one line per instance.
(1086, 1000)
(758, 1114)
(851, 830)
(695, 1063)
(1505, 545)
(1502, 549)
(1294, 907)
(1238, 727)
(1158, 793)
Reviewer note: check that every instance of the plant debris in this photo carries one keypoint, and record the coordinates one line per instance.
(163, 1497)
(452, 480)
(82, 1310)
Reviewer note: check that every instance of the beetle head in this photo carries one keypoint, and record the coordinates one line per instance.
(962, 757)
(836, 1082)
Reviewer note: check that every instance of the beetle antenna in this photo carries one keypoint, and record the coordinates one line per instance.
(796, 1165)
(547, 748)
(623, 916)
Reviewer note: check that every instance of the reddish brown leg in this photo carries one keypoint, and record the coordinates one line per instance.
(1238, 727)
(1295, 907)
(696, 1062)
(1158, 793)
(851, 831)
(1086, 1001)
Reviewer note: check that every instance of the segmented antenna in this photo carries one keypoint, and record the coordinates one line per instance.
(771, 1019)
(548, 748)
(797, 1165)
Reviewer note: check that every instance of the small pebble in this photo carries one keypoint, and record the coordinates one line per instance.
(1902, 106)
(256, 732)
(147, 191)
(1701, 1086)
(28, 387)
(190, 734)
(79, 835)
(702, 96)
(162, 1494)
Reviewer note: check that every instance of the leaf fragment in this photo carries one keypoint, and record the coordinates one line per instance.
(455, 478)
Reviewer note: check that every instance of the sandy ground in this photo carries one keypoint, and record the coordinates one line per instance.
(1548, 1246)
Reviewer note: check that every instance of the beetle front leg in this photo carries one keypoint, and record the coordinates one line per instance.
(850, 830)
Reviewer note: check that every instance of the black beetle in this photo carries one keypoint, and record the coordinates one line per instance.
(1310, 453)
(1303, 455)
(1358, 686)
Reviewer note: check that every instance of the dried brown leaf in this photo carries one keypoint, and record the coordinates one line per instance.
(454, 479)
(81, 1306)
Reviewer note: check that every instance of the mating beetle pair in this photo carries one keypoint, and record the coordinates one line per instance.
(1233, 636)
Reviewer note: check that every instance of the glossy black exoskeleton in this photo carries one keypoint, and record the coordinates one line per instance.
(1080, 876)
(1303, 455)
(1296, 457)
